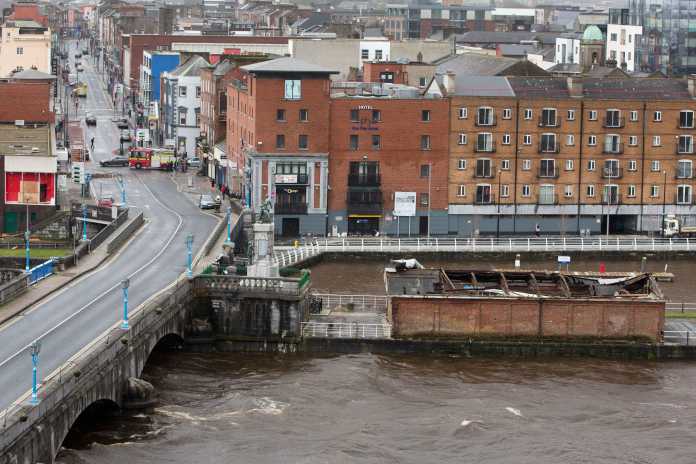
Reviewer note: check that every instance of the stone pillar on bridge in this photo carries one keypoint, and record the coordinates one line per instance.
(262, 264)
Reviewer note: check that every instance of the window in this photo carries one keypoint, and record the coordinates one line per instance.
(425, 115)
(505, 165)
(632, 165)
(686, 119)
(592, 115)
(592, 140)
(304, 115)
(613, 37)
(548, 117)
(634, 116)
(527, 139)
(422, 81)
(590, 191)
(547, 168)
(507, 113)
(569, 165)
(182, 116)
(293, 89)
(613, 119)
(655, 191)
(424, 199)
(376, 115)
(376, 142)
(568, 191)
(484, 142)
(686, 144)
(424, 171)
(547, 195)
(591, 165)
(684, 169)
(355, 116)
(425, 142)
(20, 51)
(463, 113)
(570, 140)
(526, 165)
(197, 113)
(462, 139)
(354, 141)
(484, 168)
(280, 115)
(303, 142)
(656, 141)
(683, 194)
(485, 116)
(528, 114)
(611, 169)
(631, 191)
(378, 55)
(504, 190)
(365, 54)
(632, 140)
(526, 190)
(280, 141)
(657, 116)
(182, 90)
(198, 92)
(483, 194)
(571, 115)
(461, 164)
(547, 144)
(655, 166)
(612, 143)
(461, 190)
(506, 139)
(610, 195)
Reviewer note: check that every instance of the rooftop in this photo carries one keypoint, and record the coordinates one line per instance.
(32, 74)
(476, 64)
(190, 68)
(30, 140)
(286, 65)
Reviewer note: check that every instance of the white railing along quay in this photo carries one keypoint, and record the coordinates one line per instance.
(679, 337)
(677, 306)
(289, 255)
(357, 303)
(345, 330)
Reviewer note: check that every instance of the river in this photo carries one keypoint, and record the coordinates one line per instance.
(229, 408)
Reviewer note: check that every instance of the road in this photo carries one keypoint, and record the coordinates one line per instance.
(71, 318)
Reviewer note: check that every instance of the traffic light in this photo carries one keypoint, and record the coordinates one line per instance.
(78, 173)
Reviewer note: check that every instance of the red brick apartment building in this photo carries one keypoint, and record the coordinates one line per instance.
(335, 160)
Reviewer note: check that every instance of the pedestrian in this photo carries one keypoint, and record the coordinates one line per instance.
(91, 144)
(537, 230)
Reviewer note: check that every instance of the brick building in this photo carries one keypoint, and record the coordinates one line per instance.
(413, 73)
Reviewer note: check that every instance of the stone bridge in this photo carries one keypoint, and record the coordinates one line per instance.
(199, 310)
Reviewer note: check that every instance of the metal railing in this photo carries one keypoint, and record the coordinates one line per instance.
(679, 337)
(41, 271)
(345, 330)
(357, 303)
(288, 255)
(680, 306)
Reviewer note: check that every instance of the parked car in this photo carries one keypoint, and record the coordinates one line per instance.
(206, 202)
(78, 56)
(85, 51)
(194, 162)
(115, 161)
(121, 123)
(106, 200)
(125, 135)
(90, 119)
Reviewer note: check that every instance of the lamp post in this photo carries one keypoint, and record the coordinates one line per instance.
(497, 222)
(84, 222)
(229, 225)
(664, 203)
(189, 255)
(124, 285)
(26, 241)
(35, 349)
(122, 187)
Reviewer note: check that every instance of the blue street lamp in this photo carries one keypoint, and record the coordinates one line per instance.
(229, 225)
(189, 260)
(84, 222)
(35, 348)
(122, 186)
(124, 284)
(26, 242)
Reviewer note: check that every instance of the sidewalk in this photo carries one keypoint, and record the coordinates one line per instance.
(37, 292)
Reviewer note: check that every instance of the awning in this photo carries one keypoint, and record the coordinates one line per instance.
(362, 216)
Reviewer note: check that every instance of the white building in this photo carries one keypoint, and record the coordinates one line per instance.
(567, 50)
(376, 49)
(181, 108)
(621, 45)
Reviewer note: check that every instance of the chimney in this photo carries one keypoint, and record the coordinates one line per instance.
(574, 87)
(691, 82)
(448, 81)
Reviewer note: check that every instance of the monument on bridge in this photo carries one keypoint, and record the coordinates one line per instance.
(261, 247)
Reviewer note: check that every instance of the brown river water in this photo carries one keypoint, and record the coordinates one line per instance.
(242, 408)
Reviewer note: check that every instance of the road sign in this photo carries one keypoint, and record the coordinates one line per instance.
(564, 260)
(404, 203)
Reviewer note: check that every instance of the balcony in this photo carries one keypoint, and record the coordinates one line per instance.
(222, 117)
(485, 148)
(484, 199)
(484, 173)
(549, 122)
(290, 208)
(683, 199)
(684, 149)
(611, 199)
(486, 122)
(613, 149)
(364, 180)
(555, 148)
(290, 179)
(547, 199)
(684, 175)
(547, 173)
(612, 173)
(614, 123)
(364, 203)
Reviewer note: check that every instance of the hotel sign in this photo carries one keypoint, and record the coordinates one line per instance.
(285, 178)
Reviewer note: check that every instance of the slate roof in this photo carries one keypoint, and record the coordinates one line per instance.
(287, 64)
(482, 86)
(32, 74)
(602, 88)
(515, 37)
(475, 64)
(517, 49)
(539, 87)
(190, 68)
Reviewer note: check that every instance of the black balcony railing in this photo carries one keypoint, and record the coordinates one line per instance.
(364, 180)
(613, 149)
(548, 173)
(614, 122)
(547, 199)
(485, 147)
(549, 121)
(549, 148)
(613, 198)
(484, 173)
(484, 199)
(612, 173)
(364, 202)
(290, 208)
(486, 122)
